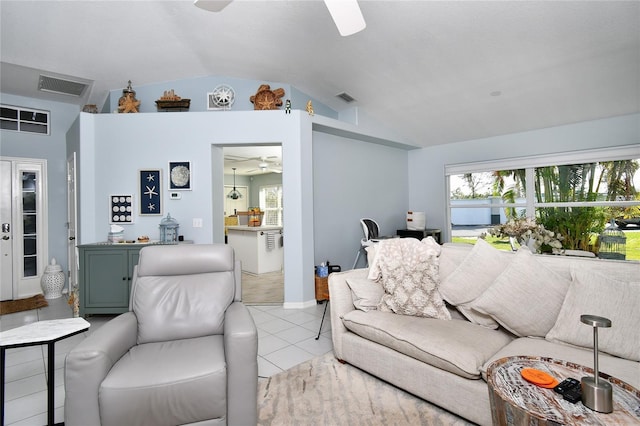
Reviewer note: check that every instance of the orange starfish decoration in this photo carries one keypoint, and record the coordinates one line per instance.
(128, 104)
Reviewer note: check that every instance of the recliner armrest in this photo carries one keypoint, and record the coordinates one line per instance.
(241, 353)
(87, 365)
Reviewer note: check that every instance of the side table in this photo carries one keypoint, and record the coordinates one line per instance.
(420, 234)
(39, 333)
(516, 401)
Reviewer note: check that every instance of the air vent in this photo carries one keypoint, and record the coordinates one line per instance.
(58, 85)
(345, 97)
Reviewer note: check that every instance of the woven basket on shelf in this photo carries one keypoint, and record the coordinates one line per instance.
(322, 288)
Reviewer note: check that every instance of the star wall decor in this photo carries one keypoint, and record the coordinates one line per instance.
(150, 192)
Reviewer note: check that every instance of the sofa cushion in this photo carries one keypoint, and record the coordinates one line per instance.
(408, 271)
(526, 298)
(623, 369)
(366, 294)
(459, 347)
(472, 277)
(595, 294)
(145, 384)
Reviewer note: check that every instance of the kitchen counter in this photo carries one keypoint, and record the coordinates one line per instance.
(254, 228)
(259, 248)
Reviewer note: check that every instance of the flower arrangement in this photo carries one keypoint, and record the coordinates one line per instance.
(529, 233)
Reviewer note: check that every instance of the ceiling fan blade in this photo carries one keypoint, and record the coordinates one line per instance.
(347, 16)
(236, 158)
(212, 5)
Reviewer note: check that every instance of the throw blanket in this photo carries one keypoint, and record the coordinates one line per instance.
(408, 270)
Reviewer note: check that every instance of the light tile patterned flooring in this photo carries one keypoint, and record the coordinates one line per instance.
(286, 337)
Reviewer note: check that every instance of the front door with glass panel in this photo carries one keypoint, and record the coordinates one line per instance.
(23, 237)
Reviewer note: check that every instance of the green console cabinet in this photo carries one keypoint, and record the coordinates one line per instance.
(105, 275)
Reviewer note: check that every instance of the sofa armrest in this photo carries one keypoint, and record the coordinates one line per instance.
(88, 364)
(341, 304)
(241, 354)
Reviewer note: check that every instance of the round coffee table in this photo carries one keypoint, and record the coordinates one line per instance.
(515, 401)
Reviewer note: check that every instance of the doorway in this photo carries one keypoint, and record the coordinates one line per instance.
(257, 167)
(23, 219)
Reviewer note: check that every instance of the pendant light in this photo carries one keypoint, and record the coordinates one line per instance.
(234, 194)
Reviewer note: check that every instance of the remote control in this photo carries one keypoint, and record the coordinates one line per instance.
(573, 395)
(567, 385)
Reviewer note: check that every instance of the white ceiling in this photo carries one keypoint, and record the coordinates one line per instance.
(250, 160)
(429, 70)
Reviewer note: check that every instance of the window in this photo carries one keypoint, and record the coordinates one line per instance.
(271, 205)
(575, 195)
(24, 120)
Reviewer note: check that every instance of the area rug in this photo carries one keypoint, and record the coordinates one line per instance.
(323, 391)
(34, 302)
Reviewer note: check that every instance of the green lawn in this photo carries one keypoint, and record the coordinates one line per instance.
(633, 243)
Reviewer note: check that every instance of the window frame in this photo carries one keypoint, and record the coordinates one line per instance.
(529, 164)
(279, 209)
(22, 125)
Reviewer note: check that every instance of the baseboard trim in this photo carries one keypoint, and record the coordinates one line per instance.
(299, 305)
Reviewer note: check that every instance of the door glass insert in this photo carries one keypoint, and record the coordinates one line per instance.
(29, 223)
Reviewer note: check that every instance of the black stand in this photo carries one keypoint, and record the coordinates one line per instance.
(326, 303)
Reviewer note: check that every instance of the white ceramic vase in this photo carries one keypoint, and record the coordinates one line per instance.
(52, 281)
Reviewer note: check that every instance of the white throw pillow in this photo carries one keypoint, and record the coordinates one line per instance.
(366, 294)
(408, 270)
(526, 298)
(473, 276)
(594, 294)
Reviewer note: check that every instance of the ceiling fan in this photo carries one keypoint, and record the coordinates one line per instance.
(345, 13)
(266, 165)
(239, 159)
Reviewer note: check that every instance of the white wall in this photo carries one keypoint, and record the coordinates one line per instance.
(427, 191)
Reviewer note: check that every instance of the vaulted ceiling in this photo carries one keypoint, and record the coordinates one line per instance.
(433, 71)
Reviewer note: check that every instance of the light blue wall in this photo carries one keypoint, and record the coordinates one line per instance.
(122, 144)
(426, 166)
(51, 148)
(352, 180)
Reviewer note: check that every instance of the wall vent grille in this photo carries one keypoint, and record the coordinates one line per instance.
(345, 97)
(58, 85)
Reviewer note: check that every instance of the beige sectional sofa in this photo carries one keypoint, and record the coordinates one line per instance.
(500, 304)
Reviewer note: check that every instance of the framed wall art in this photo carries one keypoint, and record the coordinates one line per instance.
(179, 176)
(121, 209)
(150, 184)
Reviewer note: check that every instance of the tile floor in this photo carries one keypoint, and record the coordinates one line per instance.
(286, 337)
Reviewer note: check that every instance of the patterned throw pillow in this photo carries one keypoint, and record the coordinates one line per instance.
(408, 269)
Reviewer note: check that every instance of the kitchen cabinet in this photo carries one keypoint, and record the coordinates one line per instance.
(259, 248)
(105, 275)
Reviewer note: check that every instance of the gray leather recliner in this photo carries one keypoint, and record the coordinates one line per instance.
(185, 353)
